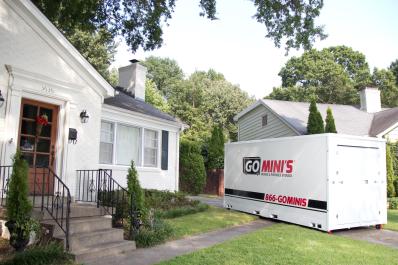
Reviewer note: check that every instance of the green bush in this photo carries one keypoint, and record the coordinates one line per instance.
(330, 126)
(165, 200)
(216, 149)
(390, 172)
(52, 253)
(181, 211)
(393, 203)
(154, 234)
(315, 121)
(134, 187)
(192, 169)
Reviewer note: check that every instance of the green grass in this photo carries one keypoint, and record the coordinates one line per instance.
(392, 223)
(289, 244)
(209, 220)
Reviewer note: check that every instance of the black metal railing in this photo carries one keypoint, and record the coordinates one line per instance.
(99, 187)
(47, 192)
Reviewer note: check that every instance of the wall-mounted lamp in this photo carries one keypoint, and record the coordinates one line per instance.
(1, 100)
(84, 116)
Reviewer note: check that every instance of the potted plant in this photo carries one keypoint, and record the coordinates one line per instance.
(19, 222)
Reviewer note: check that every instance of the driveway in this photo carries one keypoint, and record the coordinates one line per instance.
(216, 201)
(370, 234)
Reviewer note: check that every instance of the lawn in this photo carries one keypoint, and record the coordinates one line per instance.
(289, 244)
(209, 220)
(392, 223)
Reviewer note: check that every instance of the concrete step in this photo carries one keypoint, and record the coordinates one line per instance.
(88, 239)
(94, 252)
(82, 225)
(77, 210)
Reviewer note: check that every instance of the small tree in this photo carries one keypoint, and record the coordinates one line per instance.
(390, 172)
(216, 149)
(18, 206)
(330, 127)
(134, 187)
(315, 121)
(192, 168)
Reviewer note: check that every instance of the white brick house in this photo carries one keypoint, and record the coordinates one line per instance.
(42, 73)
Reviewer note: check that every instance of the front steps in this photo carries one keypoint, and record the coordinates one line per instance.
(91, 235)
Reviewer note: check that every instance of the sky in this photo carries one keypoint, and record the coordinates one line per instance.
(235, 45)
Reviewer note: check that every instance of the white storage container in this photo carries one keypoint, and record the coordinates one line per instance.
(324, 181)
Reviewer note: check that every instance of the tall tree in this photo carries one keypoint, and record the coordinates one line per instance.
(333, 74)
(330, 127)
(384, 79)
(154, 97)
(140, 22)
(216, 149)
(394, 68)
(315, 121)
(390, 172)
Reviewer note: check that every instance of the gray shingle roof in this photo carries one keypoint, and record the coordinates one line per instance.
(348, 119)
(383, 120)
(126, 101)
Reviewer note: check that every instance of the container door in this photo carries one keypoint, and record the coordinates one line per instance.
(357, 184)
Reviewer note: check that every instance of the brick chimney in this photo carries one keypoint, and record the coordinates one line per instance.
(370, 99)
(132, 78)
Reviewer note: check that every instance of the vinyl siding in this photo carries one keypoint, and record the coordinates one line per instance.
(250, 126)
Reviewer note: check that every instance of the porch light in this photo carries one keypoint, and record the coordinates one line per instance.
(1, 100)
(84, 116)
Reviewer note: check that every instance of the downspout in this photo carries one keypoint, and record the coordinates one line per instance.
(10, 81)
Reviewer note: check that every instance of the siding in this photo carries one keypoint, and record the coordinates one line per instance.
(250, 126)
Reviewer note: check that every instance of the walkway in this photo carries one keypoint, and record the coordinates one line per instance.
(169, 250)
(382, 237)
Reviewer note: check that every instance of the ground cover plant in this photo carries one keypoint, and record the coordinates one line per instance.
(289, 244)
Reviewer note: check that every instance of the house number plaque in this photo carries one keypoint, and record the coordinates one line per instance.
(47, 89)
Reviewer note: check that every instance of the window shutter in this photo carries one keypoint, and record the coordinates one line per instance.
(165, 150)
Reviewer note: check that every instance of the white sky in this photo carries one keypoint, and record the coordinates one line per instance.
(235, 44)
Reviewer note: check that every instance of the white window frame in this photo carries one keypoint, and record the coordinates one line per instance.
(142, 147)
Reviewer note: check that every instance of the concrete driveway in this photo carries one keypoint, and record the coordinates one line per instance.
(370, 234)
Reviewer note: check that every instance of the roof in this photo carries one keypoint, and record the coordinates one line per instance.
(348, 119)
(126, 101)
(57, 41)
(383, 120)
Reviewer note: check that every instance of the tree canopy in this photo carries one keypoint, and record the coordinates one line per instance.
(140, 22)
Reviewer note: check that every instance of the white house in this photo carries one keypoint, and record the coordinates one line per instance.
(268, 118)
(42, 73)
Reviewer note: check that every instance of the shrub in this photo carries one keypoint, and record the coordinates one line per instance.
(393, 203)
(181, 211)
(390, 173)
(165, 200)
(134, 187)
(156, 233)
(192, 169)
(315, 121)
(52, 253)
(330, 127)
(216, 149)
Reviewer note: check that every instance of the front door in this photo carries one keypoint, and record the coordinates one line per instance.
(37, 141)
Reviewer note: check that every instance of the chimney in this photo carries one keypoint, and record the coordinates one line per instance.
(132, 78)
(370, 99)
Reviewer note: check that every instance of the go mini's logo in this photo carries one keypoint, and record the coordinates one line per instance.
(277, 168)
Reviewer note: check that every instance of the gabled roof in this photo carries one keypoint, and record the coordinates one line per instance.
(46, 30)
(348, 119)
(126, 101)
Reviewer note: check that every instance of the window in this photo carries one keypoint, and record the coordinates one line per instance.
(127, 145)
(106, 143)
(150, 148)
(264, 120)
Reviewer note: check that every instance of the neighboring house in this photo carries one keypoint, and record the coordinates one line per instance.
(268, 118)
(42, 73)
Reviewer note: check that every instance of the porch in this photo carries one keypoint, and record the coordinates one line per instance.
(92, 224)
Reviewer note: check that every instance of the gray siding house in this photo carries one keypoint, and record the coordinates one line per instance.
(268, 118)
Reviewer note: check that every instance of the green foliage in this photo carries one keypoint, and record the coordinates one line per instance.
(166, 200)
(330, 127)
(154, 97)
(140, 22)
(390, 172)
(155, 234)
(332, 74)
(394, 68)
(181, 211)
(393, 203)
(134, 187)
(315, 121)
(18, 205)
(52, 253)
(386, 82)
(216, 149)
(192, 168)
